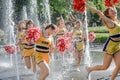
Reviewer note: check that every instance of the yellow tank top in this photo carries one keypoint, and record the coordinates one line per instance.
(115, 30)
(43, 44)
(20, 35)
(26, 44)
(61, 31)
(77, 33)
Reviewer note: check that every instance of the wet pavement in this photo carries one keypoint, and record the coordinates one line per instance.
(60, 70)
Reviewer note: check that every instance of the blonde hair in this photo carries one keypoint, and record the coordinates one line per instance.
(58, 19)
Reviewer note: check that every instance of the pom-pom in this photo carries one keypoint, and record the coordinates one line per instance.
(79, 5)
(63, 43)
(33, 34)
(68, 34)
(108, 4)
(9, 49)
(91, 36)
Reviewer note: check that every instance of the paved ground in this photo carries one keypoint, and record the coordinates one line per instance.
(59, 70)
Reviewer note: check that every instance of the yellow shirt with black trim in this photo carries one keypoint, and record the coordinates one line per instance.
(61, 31)
(42, 49)
(28, 48)
(111, 47)
(79, 44)
(20, 37)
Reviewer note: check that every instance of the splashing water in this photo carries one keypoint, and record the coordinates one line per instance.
(63, 68)
(24, 13)
(46, 11)
(87, 59)
(8, 25)
(32, 12)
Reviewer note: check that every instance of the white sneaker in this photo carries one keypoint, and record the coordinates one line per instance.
(78, 69)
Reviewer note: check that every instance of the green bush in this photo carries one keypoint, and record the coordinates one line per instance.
(101, 37)
(98, 29)
(101, 33)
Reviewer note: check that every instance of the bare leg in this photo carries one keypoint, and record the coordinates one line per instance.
(27, 62)
(117, 65)
(44, 70)
(22, 55)
(33, 64)
(79, 57)
(106, 63)
(75, 55)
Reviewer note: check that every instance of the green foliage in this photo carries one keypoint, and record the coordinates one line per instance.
(98, 29)
(60, 8)
(101, 37)
(99, 4)
(101, 33)
(63, 7)
(18, 4)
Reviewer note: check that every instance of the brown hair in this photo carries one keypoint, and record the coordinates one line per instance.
(53, 26)
(29, 22)
(79, 21)
(58, 19)
(18, 26)
(106, 12)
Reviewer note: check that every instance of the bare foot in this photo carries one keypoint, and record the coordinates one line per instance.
(34, 70)
(87, 71)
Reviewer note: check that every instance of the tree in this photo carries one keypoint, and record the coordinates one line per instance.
(59, 8)
(99, 4)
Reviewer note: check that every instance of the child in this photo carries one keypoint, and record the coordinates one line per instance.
(112, 46)
(29, 49)
(78, 41)
(44, 47)
(20, 27)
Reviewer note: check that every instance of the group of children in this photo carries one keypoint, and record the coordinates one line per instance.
(38, 53)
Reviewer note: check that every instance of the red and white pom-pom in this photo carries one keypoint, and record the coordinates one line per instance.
(67, 42)
(108, 4)
(77, 1)
(63, 43)
(91, 36)
(9, 49)
(67, 34)
(60, 44)
(33, 34)
(79, 5)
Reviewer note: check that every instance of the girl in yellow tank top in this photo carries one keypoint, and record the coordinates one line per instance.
(61, 26)
(43, 48)
(112, 45)
(28, 51)
(61, 31)
(78, 42)
(20, 27)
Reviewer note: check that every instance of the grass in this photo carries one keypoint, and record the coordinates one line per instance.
(101, 37)
(98, 29)
(101, 33)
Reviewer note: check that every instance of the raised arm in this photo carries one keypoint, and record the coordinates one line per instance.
(105, 19)
(112, 2)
